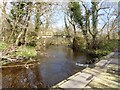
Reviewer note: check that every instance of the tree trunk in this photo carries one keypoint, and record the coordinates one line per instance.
(18, 38)
(87, 42)
(94, 43)
(94, 23)
(75, 43)
(108, 35)
(74, 29)
(25, 32)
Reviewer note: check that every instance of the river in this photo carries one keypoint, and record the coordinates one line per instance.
(57, 65)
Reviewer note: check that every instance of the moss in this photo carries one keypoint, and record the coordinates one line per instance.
(3, 46)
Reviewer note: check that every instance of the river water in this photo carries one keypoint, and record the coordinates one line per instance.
(57, 65)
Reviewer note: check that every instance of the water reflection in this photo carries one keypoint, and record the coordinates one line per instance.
(55, 67)
(21, 77)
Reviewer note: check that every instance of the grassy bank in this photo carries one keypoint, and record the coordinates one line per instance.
(17, 54)
(25, 51)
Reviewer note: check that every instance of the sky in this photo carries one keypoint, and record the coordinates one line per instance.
(59, 15)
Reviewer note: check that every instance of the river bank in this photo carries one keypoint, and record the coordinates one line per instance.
(15, 54)
(12, 54)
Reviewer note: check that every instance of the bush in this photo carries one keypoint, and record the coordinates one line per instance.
(109, 45)
(78, 43)
(32, 43)
(106, 47)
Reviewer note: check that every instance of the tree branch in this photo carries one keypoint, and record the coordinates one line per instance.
(102, 8)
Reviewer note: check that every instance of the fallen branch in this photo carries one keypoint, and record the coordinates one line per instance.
(7, 58)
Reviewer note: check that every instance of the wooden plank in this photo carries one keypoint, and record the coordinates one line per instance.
(79, 81)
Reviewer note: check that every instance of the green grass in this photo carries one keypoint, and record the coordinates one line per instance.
(3, 46)
(26, 51)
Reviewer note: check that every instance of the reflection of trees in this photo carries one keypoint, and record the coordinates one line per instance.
(34, 77)
(21, 78)
(68, 52)
(71, 54)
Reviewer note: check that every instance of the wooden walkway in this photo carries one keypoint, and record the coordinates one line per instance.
(105, 74)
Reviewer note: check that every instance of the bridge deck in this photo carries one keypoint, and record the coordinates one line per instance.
(103, 75)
